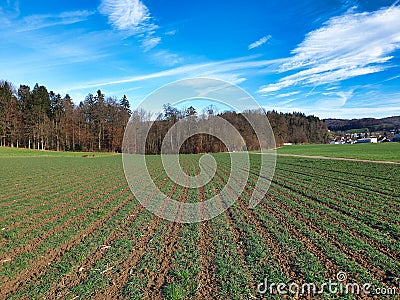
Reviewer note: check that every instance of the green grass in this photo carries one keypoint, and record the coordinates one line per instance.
(22, 152)
(381, 151)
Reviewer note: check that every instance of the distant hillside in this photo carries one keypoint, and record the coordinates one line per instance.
(370, 123)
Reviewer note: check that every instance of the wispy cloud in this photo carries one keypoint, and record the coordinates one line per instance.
(166, 58)
(260, 42)
(230, 70)
(334, 99)
(8, 10)
(150, 43)
(287, 94)
(126, 14)
(10, 17)
(331, 88)
(134, 17)
(347, 46)
(24, 32)
(392, 78)
(36, 22)
(171, 32)
(395, 3)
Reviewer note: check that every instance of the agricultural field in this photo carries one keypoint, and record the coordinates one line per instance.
(380, 151)
(70, 228)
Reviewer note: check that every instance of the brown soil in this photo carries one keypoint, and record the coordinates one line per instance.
(208, 282)
(156, 280)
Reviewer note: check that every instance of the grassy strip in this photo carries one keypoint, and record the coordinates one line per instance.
(8, 152)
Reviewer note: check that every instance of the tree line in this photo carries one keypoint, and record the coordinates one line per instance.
(39, 119)
(372, 124)
(286, 127)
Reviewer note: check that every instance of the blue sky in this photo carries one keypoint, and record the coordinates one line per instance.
(329, 58)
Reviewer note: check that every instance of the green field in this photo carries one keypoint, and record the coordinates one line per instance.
(71, 229)
(380, 151)
(18, 152)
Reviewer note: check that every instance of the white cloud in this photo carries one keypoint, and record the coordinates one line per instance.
(347, 46)
(134, 17)
(35, 58)
(395, 3)
(166, 58)
(332, 88)
(260, 42)
(317, 77)
(150, 43)
(35, 22)
(287, 94)
(10, 9)
(126, 14)
(225, 69)
(393, 77)
(286, 102)
(334, 99)
(171, 32)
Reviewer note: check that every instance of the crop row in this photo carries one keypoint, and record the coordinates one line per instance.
(98, 234)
